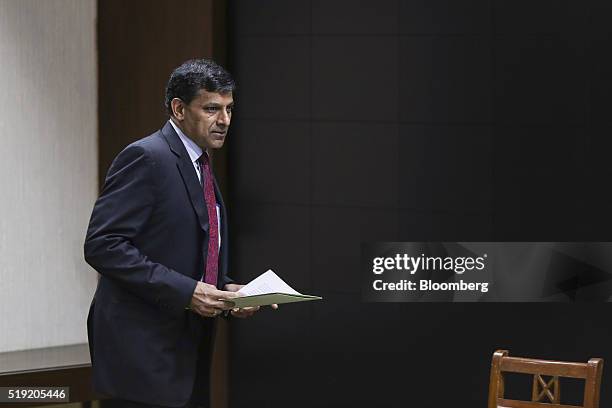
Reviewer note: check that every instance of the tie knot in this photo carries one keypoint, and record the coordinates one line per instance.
(204, 160)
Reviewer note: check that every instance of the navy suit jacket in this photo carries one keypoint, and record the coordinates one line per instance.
(148, 239)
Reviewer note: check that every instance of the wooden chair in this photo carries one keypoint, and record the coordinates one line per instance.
(543, 389)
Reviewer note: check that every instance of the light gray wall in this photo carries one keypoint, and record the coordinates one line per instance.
(48, 169)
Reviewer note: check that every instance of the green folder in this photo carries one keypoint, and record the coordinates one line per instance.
(269, 299)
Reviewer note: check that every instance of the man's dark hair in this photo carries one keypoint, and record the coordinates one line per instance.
(186, 81)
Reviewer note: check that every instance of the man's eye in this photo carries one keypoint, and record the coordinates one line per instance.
(229, 109)
(211, 109)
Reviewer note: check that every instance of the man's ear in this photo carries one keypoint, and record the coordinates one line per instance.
(178, 108)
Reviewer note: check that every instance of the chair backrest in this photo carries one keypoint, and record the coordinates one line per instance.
(545, 392)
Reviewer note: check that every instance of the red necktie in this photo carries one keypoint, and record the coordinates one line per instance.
(212, 260)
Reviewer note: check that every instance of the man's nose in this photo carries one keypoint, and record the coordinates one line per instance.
(223, 118)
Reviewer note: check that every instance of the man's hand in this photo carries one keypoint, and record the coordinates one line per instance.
(233, 287)
(208, 300)
(245, 311)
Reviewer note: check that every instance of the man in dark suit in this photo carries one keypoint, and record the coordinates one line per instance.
(158, 236)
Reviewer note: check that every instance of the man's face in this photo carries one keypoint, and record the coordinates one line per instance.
(206, 118)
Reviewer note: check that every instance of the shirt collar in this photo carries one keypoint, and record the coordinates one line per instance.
(192, 148)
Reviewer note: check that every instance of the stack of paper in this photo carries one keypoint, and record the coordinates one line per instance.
(268, 289)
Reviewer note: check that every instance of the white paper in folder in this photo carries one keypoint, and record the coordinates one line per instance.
(267, 282)
(269, 288)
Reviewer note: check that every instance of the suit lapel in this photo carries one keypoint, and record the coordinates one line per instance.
(224, 231)
(188, 174)
(218, 195)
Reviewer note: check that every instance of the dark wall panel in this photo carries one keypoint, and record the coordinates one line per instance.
(276, 83)
(350, 83)
(356, 164)
(445, 17)
(433, 171)
(416, 120)
(540, 80)
(282, 173)
(430, 91)
(366, 17)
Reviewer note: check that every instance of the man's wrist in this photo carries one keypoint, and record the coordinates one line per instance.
(195, 288)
